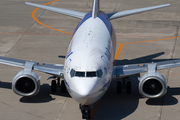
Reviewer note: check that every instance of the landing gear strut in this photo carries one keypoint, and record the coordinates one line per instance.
(124, 85)
(86, 111)
(56, 83)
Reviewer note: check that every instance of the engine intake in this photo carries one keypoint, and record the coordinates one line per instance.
(152, 86)
(26, 83)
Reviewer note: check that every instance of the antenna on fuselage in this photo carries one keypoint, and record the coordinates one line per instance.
(95, 8)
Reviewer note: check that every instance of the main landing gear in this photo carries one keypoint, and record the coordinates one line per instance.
(57, 83)
(86, 111)
(124, 85)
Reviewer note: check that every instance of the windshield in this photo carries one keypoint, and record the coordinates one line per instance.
(91, 74)
(80, 74)
(97, 73)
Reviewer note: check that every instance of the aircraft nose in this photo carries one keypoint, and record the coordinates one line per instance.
(85, 91)
(85, 88)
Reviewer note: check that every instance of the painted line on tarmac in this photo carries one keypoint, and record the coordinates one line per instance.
(34, 17)
(142, 36)
(122, 44)
(11, 33)
(119, 51)
(151, 40)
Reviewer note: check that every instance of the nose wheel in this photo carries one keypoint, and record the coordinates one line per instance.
(56, 83)
(124, 85)
(86, 111)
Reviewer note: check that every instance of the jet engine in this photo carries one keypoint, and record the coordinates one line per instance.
(152, 85)
(26, 83)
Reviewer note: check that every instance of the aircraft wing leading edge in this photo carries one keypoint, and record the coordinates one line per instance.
(59, 10)
(53, 69)
(134, 11)
(119, 71)
(127, 70)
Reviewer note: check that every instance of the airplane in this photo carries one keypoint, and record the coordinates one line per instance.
(88, 69)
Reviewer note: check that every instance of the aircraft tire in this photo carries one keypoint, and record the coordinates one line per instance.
(83, 114)
(53, 86)
(86, 115)
(128, 87)
(63, 87)
(119, 87)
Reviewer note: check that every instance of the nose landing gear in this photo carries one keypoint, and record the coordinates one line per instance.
(55, 85)
(86, 111)
(125, 85)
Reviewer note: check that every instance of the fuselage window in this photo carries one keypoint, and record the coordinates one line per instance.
(91, 74)
(99, 73)
(80, 74)
(72, 73)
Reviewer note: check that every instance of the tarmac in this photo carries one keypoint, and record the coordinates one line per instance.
(141, 38)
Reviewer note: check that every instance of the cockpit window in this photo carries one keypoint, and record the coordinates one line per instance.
(72, 73)
(99, 73)
(80, 74)
(91, 74)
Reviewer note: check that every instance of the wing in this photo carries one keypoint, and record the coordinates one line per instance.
(134, 11)
(126, 70)
(53, 69)
(59, 10)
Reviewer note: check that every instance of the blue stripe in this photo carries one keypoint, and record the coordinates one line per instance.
(106, 21)
(69, 55)
(67, 83)
(106, 83)
(86, 17)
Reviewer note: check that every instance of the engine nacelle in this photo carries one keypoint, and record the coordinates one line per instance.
(152, 85)
(26, 83)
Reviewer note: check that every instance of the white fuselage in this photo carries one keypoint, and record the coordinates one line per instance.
(89, 60)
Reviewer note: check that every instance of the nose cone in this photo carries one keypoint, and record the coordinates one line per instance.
(86, 91)
(85, 87)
